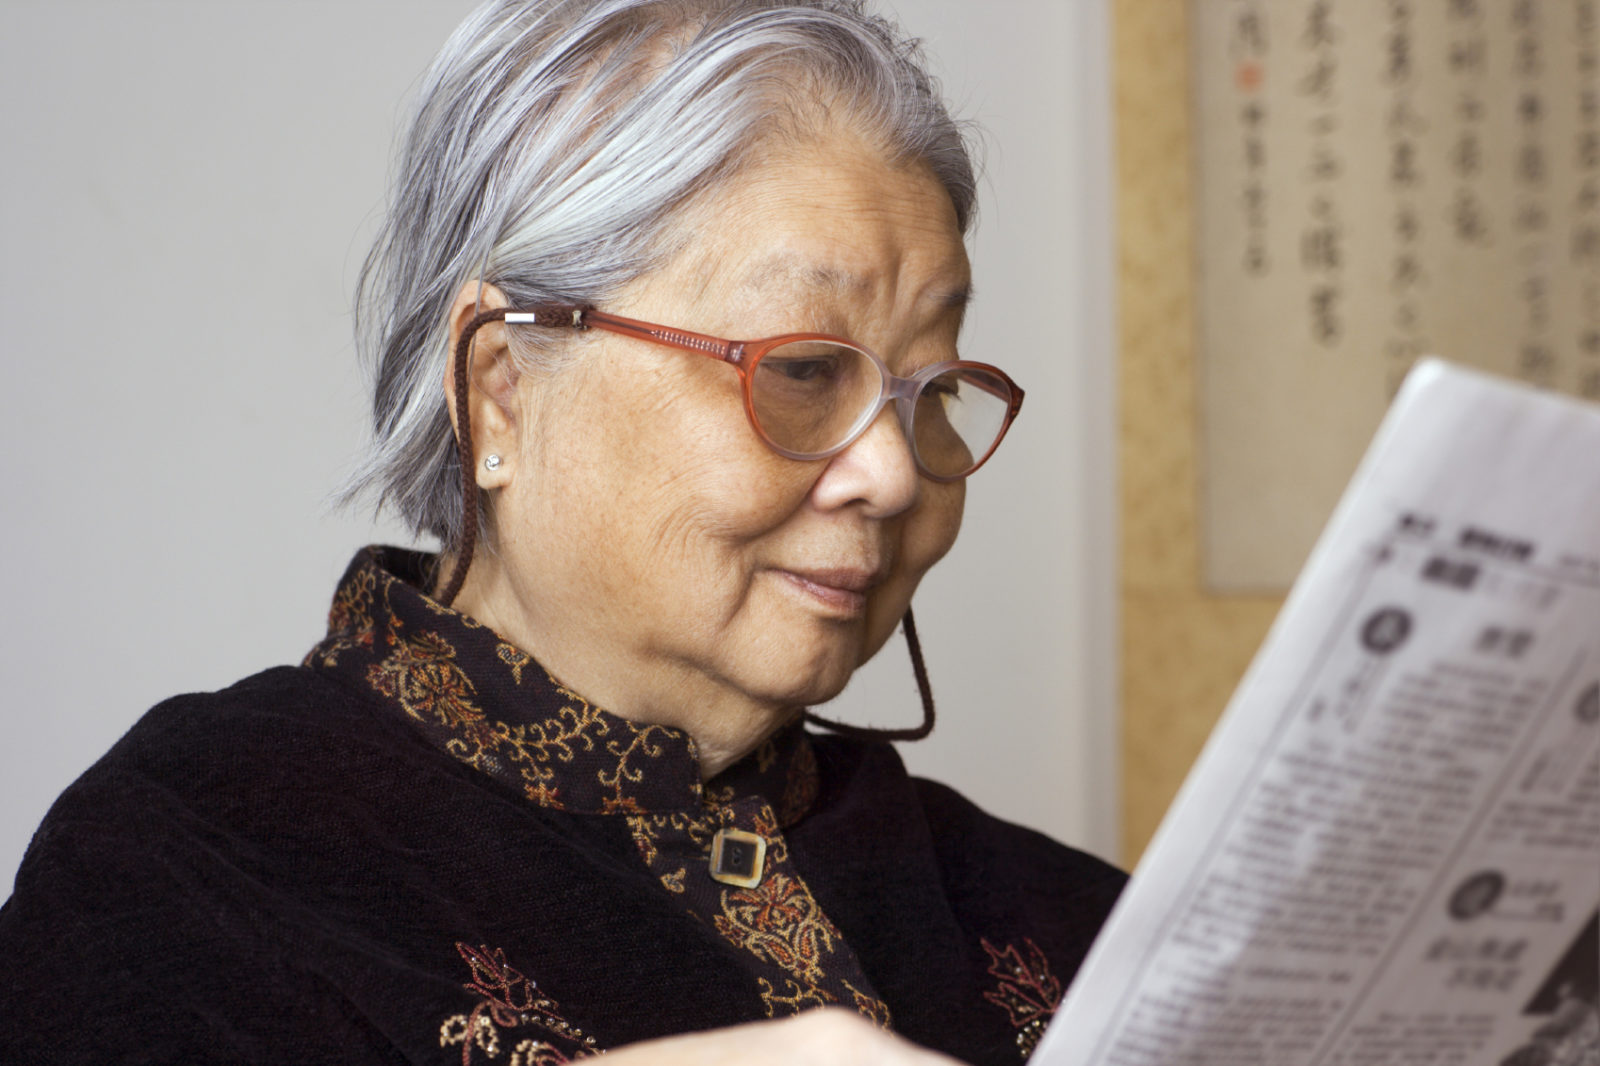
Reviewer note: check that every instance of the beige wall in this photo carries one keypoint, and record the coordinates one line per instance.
(1183, 650)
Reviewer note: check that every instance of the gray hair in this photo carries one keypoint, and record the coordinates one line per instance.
(553, 145)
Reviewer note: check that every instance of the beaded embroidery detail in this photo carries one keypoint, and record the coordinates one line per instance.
(511, 1001)
(1026, 989)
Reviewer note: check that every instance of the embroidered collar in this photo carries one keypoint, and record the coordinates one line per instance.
(489, 704)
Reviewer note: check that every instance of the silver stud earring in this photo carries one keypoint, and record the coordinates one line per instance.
(491, 462)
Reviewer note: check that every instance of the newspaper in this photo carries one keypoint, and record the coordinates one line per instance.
(1389, 850)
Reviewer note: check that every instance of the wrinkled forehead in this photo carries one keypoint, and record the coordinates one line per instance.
(808, 281)
(830, 227)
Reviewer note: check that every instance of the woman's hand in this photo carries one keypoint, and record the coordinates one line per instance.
(831, 1037)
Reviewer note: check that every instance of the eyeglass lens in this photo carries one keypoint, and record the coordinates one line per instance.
(811, 396)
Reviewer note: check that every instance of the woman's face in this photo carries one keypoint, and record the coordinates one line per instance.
(652, 552)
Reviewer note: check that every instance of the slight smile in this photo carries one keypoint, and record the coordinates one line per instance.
(843, 591)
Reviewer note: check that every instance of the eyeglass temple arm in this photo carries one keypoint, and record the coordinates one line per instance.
(584, 317)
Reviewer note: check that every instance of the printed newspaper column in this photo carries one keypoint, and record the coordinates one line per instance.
(1390, 850)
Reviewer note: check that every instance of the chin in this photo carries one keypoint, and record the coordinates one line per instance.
(815, 679)
(819, 694)
(819, 690)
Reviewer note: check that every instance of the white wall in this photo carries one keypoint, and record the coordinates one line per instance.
(187, 193)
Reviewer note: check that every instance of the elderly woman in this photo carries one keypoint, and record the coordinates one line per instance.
(664, 321)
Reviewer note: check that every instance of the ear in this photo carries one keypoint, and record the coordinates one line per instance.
(491, 382)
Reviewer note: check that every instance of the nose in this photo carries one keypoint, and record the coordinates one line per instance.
(876, 471)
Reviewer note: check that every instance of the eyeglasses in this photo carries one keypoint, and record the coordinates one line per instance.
(811, 395)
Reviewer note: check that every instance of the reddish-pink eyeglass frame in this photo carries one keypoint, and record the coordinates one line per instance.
(744, 357)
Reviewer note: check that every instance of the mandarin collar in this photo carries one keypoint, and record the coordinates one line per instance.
(490, 705)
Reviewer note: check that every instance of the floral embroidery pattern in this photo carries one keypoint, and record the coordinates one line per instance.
(513, 657)
(350, 622)
(794, 999)
(445, 670)
(872, 1008)
(640, 743)
(649, 828)
(510, 1001)
(766, 825)
(491, 706)
(1027, 990)
(780, 921)
(421, 674)
(533, 748)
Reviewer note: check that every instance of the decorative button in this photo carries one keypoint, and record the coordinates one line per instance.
(737, 857)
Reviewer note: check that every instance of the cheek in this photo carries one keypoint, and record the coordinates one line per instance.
(710, 513)
(931, 532)
(927, 536)
(668, 480)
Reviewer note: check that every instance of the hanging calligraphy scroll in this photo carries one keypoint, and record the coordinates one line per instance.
(1379, 179)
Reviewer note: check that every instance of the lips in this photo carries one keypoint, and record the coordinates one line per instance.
(843, 590)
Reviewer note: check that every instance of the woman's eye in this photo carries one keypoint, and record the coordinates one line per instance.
(812, 368)
(802, 370)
